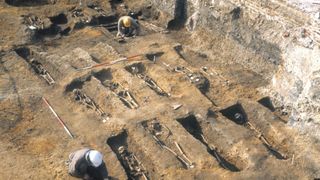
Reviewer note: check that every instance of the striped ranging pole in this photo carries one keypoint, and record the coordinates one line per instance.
(131, 58)
(59, 119)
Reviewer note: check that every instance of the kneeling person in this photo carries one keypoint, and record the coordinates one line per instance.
(127, 26)
(87, 164)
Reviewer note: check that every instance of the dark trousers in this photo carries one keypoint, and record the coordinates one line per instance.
(99, 173)
(127, 31)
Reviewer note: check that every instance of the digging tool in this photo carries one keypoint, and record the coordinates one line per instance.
(131, 58)
(59, 119)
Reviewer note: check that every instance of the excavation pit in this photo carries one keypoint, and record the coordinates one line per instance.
(77, 83)
(117, 141)
(35, 65)
(136, 68)
(87, 101)
(39, 69)
(103, 75)
(153, 56)
(27, 3)
(193, 127)
(180, 15)
(104, 20)
(108, 22)
(59, 19)
(161, 134)
(154, 127)
(133, 168)
(266, 102)
(200, 81)
(191, 124)
(51, 31)
(236, 114)
(23, 52)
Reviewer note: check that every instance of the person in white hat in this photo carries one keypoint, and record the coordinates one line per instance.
(127, 26)
(87, 164)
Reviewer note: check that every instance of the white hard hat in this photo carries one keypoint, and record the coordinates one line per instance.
(95, 158)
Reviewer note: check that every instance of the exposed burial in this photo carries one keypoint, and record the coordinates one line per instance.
(175, 89)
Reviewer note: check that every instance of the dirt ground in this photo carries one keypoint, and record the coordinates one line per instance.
(181, 112)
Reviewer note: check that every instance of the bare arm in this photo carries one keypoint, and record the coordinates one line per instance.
(119, 27)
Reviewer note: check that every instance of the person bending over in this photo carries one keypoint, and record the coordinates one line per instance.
(87, 164)
(127, 26)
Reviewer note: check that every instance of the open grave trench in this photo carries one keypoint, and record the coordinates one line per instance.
(78, 93)
(105, 77)
(173, 108)
(237, 114)
(161, 134)
(191, 124)
(133, 167)
(145, 159)
(35, 64)
(138, 69)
